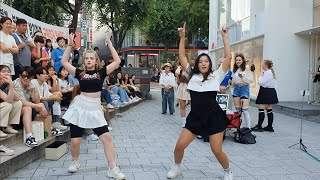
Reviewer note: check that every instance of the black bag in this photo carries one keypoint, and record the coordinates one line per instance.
(244, 136)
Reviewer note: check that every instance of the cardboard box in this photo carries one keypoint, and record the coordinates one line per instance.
(37, 131)
(55, 150)
(47, 122)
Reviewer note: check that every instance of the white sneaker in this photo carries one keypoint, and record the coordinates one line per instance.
(2, 134)
(75, 165)
(125, 103)
(109, 106)
(115, 173)
(10, 130)
(59, 126)
(228, 176)
(4, 151)
(109, 128)
(174, 172)
(130, 101)
(137, 98)
(92, 137)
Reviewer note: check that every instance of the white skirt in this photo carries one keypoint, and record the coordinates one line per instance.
(85, 112)
(182, 92)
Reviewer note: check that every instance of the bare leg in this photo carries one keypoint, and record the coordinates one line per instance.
(182, 108)
(216, 147)
(75, 148)
(186, 137)
(26, 118)
(108, 146)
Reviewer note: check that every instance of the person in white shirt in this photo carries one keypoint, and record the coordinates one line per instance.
(47, 98)
(167, 82)
(241, 80)
(267, 96)
(8, 45)
(206, 118)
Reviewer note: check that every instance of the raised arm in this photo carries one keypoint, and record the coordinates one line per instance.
(115, 64)
(66, 55)
(227, 50)
(182, 50)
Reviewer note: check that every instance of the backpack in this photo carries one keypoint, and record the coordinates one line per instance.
(244, 136)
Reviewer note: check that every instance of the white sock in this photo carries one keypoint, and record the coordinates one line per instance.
(29, 135)
(183, 121)
(247, 119)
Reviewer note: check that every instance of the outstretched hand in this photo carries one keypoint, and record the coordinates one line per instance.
(182, 30)
(71, 39)
(224, 32)
(108, 38)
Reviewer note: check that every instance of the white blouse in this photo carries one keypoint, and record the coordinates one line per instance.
(267, 80)
(211, 84)
(167, 79)
(247, 78)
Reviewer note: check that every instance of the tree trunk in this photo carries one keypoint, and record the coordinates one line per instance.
(55, 15)
(74, 23)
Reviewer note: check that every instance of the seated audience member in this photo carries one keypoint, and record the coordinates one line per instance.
(135, 86)
(105, 94)
(126, 82)
(52, 81)
(46, 97)
(65, 87)
(10, 106)
(122, 85)
(119, 91)
(30, 98)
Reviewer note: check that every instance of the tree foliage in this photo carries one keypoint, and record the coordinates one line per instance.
(167, 15)
(121, 16)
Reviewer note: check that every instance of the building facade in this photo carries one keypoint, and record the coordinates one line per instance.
(285, 32)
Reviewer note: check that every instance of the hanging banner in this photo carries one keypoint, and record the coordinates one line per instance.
(49, 31)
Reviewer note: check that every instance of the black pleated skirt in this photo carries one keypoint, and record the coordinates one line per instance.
(267, 96)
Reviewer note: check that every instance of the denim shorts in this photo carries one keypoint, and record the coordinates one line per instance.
(241, 91)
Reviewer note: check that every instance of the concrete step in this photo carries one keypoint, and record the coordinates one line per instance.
(25, 155)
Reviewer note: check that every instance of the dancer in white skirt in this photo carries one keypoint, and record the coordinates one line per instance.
(85, 111)
(183, 94)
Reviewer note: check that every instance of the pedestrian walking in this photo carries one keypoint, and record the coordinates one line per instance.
(206, 116)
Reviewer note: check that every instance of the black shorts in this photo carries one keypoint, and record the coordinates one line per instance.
(77, 132)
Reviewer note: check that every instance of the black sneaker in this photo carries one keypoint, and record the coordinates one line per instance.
(31, 142)
(267, 128)
(257, 128)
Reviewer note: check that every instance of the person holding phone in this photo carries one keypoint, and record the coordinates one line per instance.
(241, 79)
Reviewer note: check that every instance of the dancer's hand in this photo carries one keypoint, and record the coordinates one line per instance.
(71, 39)
(182, 30)
(224, 32)
(108, 38)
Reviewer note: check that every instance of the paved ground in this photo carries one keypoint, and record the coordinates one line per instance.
(145, 139)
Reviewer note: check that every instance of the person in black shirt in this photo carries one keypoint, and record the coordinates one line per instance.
(85, 112)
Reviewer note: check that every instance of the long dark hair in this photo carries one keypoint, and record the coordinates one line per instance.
(124, 78)
(47, 41)
(4, 19)
(242, 66)
(59, 73)
(196, 68)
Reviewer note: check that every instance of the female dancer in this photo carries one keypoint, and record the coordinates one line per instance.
(85, 110)
(183, 94)
(241, 79)
(206, 116)
(267, 96)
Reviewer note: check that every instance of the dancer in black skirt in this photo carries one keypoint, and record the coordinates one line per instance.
(206, 117)
(267, 96)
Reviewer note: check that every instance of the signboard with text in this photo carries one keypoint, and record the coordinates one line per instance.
(49, 31)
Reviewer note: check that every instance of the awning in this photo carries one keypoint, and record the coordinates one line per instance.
(315, 30)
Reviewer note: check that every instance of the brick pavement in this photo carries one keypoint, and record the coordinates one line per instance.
(145, 139)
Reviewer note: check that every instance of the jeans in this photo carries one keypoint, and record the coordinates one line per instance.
(167, 98)
(121, 92)
(48, 105)
(106, 95)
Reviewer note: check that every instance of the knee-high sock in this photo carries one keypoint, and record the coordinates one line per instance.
(261, 117)
(246, 118)
(270, 117)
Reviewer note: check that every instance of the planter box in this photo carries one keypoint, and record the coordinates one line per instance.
(55, 150)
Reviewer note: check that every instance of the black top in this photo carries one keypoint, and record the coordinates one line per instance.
(4, 88)
(91, 81)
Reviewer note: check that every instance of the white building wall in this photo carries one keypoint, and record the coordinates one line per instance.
(289, 52)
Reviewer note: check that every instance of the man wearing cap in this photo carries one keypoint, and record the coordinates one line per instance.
(167, 82)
